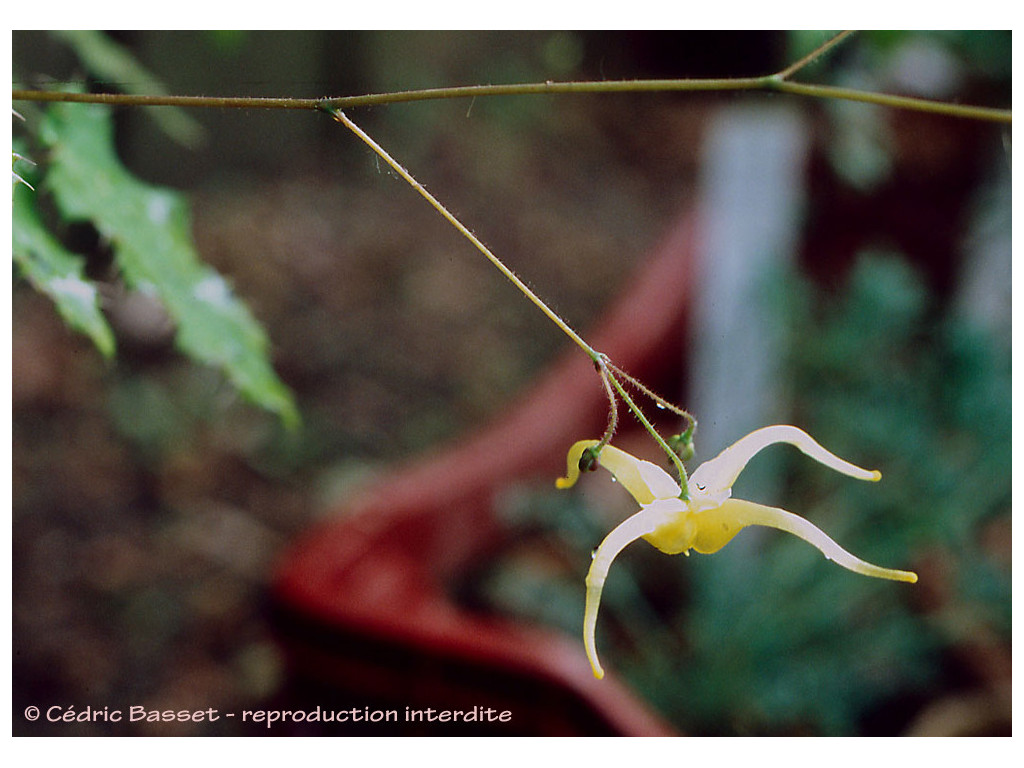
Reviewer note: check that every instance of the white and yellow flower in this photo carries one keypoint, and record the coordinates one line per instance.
(708, 519)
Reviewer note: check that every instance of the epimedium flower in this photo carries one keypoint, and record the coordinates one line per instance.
(705, 518)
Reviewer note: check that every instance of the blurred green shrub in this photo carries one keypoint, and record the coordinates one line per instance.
(781, 644)
(765, 637)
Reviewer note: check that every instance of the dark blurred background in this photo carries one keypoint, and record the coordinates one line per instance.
(150, 503)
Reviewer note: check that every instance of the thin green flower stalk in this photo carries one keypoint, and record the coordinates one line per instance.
(613, 406)
(342, 118)
(673, 456)
(658, 399)
(607, 371)
(610, 374)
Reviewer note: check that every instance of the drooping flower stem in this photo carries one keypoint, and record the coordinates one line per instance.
(613, 403)
(608, 372)
(658, 399)
(654, 433)
(342, 118)
(814, 55)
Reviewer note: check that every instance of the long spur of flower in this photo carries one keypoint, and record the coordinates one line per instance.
(720, 473)
(644, 481)
(733, 515)
(643, 523)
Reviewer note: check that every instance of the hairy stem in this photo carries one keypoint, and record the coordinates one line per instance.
(340, 116)
(600, 360)
(613, 406)
(898, 102)
(817, 53)
(658, 399)
(142, 100)
(653, 432)
(773, 82)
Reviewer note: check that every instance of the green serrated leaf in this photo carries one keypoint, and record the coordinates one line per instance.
(57, 272)
(150, 232)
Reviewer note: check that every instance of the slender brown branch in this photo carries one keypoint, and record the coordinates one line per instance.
(138, 100)
(899, 102)
(552, 87)
(765, 83)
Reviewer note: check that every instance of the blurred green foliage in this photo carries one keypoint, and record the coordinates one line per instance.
(57, 272)
(953, 65)
(783, 642)
(766, 637)
(148, 229)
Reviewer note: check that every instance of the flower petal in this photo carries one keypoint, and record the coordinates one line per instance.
(718, 474)
(644, 481)
(629, 530)
(717, 526)
(677, 529)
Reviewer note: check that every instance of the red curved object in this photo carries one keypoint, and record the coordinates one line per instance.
(363, 596)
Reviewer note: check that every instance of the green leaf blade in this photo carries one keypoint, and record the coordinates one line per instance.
(149, 229)
(58, 273)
